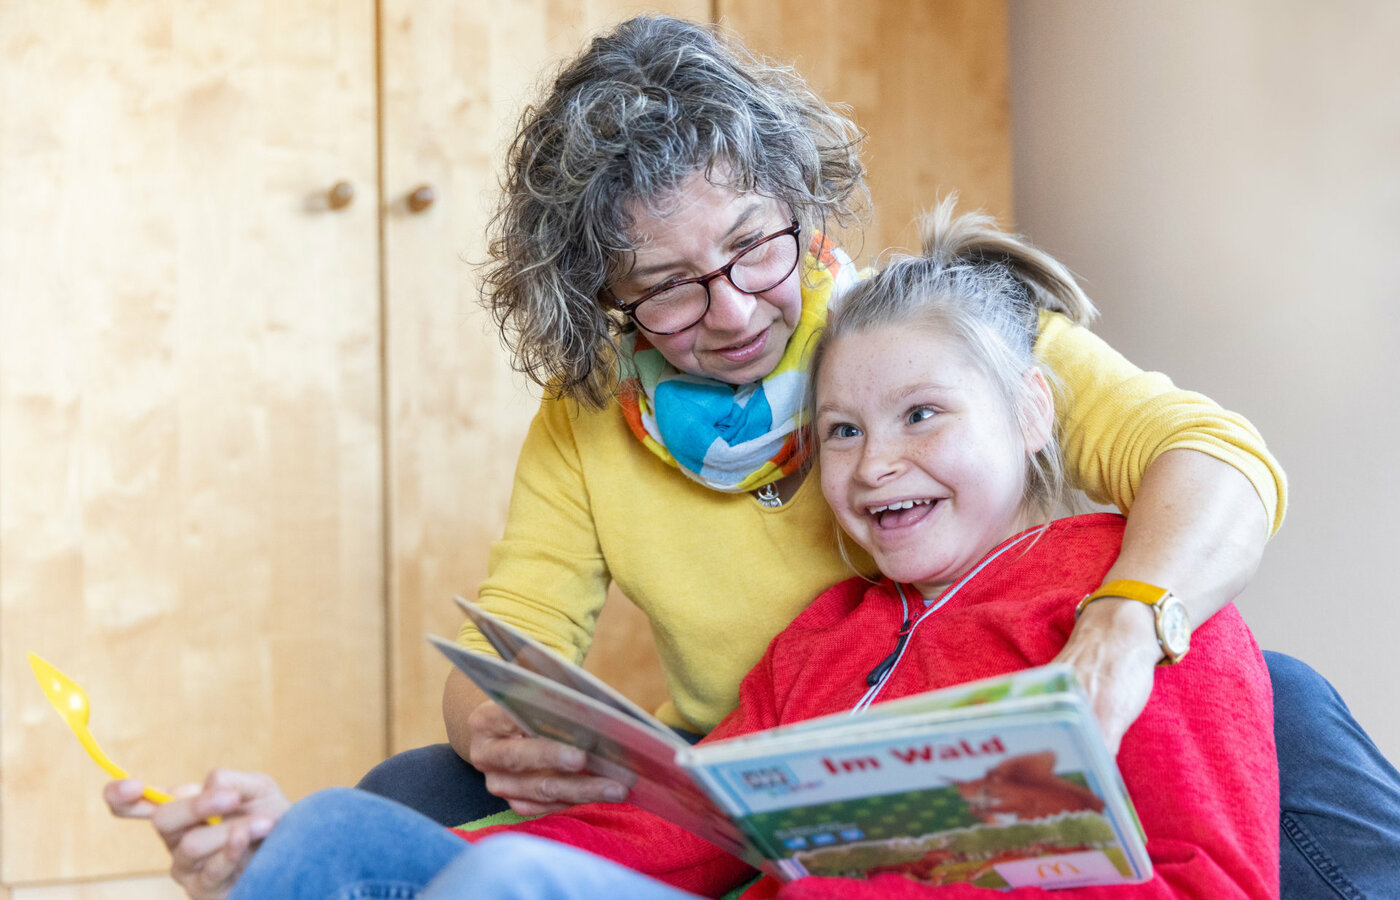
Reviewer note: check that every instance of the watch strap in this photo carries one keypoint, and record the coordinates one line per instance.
(1127, 588)
(1153, 596)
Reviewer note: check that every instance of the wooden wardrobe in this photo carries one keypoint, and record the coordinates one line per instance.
(254, 431)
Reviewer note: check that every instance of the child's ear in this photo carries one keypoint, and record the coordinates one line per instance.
(1038, 425)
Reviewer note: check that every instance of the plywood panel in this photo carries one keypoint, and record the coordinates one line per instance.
(155, 888)
(190, 460)
(927, 80)
(455, 78)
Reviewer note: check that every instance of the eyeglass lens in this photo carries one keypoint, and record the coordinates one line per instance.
(760, 268)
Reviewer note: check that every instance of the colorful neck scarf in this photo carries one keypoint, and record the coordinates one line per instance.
(728, 437)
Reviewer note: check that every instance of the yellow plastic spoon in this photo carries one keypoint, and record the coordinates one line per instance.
(72, 704)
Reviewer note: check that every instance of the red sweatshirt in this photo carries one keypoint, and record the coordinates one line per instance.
(1199, 762)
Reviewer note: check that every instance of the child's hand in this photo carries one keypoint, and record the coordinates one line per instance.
(206, 859)
(126, 801)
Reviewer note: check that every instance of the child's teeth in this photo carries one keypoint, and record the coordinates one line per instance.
(902, 504)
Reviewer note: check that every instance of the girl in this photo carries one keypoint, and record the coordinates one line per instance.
(934, 431)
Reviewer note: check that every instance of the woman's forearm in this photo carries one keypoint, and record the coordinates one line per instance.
(1197, 528)
(459, 697)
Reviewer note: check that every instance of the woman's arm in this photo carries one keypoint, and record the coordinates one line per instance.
(1198, 528)
(547, 577)
(1115, 420)
(1200, 490)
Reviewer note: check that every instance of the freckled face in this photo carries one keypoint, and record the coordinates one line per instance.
(742, 336)
(921, 459)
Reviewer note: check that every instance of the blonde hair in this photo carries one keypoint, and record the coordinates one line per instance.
(985, 288)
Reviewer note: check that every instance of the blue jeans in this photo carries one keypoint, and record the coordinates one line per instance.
(1340, 798)
(341, 844)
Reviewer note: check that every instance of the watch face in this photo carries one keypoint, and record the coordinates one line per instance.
(1176, 626)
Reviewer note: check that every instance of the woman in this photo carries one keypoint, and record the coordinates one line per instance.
(651, 197)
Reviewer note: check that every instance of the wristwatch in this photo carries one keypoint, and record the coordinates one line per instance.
(1173, 622)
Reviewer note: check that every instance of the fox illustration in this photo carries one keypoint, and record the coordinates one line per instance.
(1025, 787)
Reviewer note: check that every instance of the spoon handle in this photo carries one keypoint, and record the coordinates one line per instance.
(90, 745)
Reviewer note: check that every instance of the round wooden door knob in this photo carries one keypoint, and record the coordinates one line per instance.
(341, 194)
(421, 198)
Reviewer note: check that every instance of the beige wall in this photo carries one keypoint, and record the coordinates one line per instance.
(1226, 179)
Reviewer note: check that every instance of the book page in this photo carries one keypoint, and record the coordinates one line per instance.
(618, 746)
(524, 651)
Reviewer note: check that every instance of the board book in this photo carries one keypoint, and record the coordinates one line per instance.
(1004, 782)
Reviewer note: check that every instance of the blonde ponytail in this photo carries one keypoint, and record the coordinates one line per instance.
(974, 239)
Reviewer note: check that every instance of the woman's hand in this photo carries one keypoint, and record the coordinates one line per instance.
(206, 859)
(535, 775)
(1114, 651)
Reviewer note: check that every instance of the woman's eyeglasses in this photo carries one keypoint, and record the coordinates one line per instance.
(678, 305)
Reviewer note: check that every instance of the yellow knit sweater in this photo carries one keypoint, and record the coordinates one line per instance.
(719, 575)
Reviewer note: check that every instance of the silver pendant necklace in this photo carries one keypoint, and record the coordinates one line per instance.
(768, 495)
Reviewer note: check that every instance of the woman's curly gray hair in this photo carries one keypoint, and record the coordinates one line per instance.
(642, 109)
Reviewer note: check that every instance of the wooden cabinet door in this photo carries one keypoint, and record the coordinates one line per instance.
(456, 76)
(190, 438)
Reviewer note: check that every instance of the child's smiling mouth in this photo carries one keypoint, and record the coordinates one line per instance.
(901, 513)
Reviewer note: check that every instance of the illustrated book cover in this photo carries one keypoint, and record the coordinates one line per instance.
(1003, 782)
